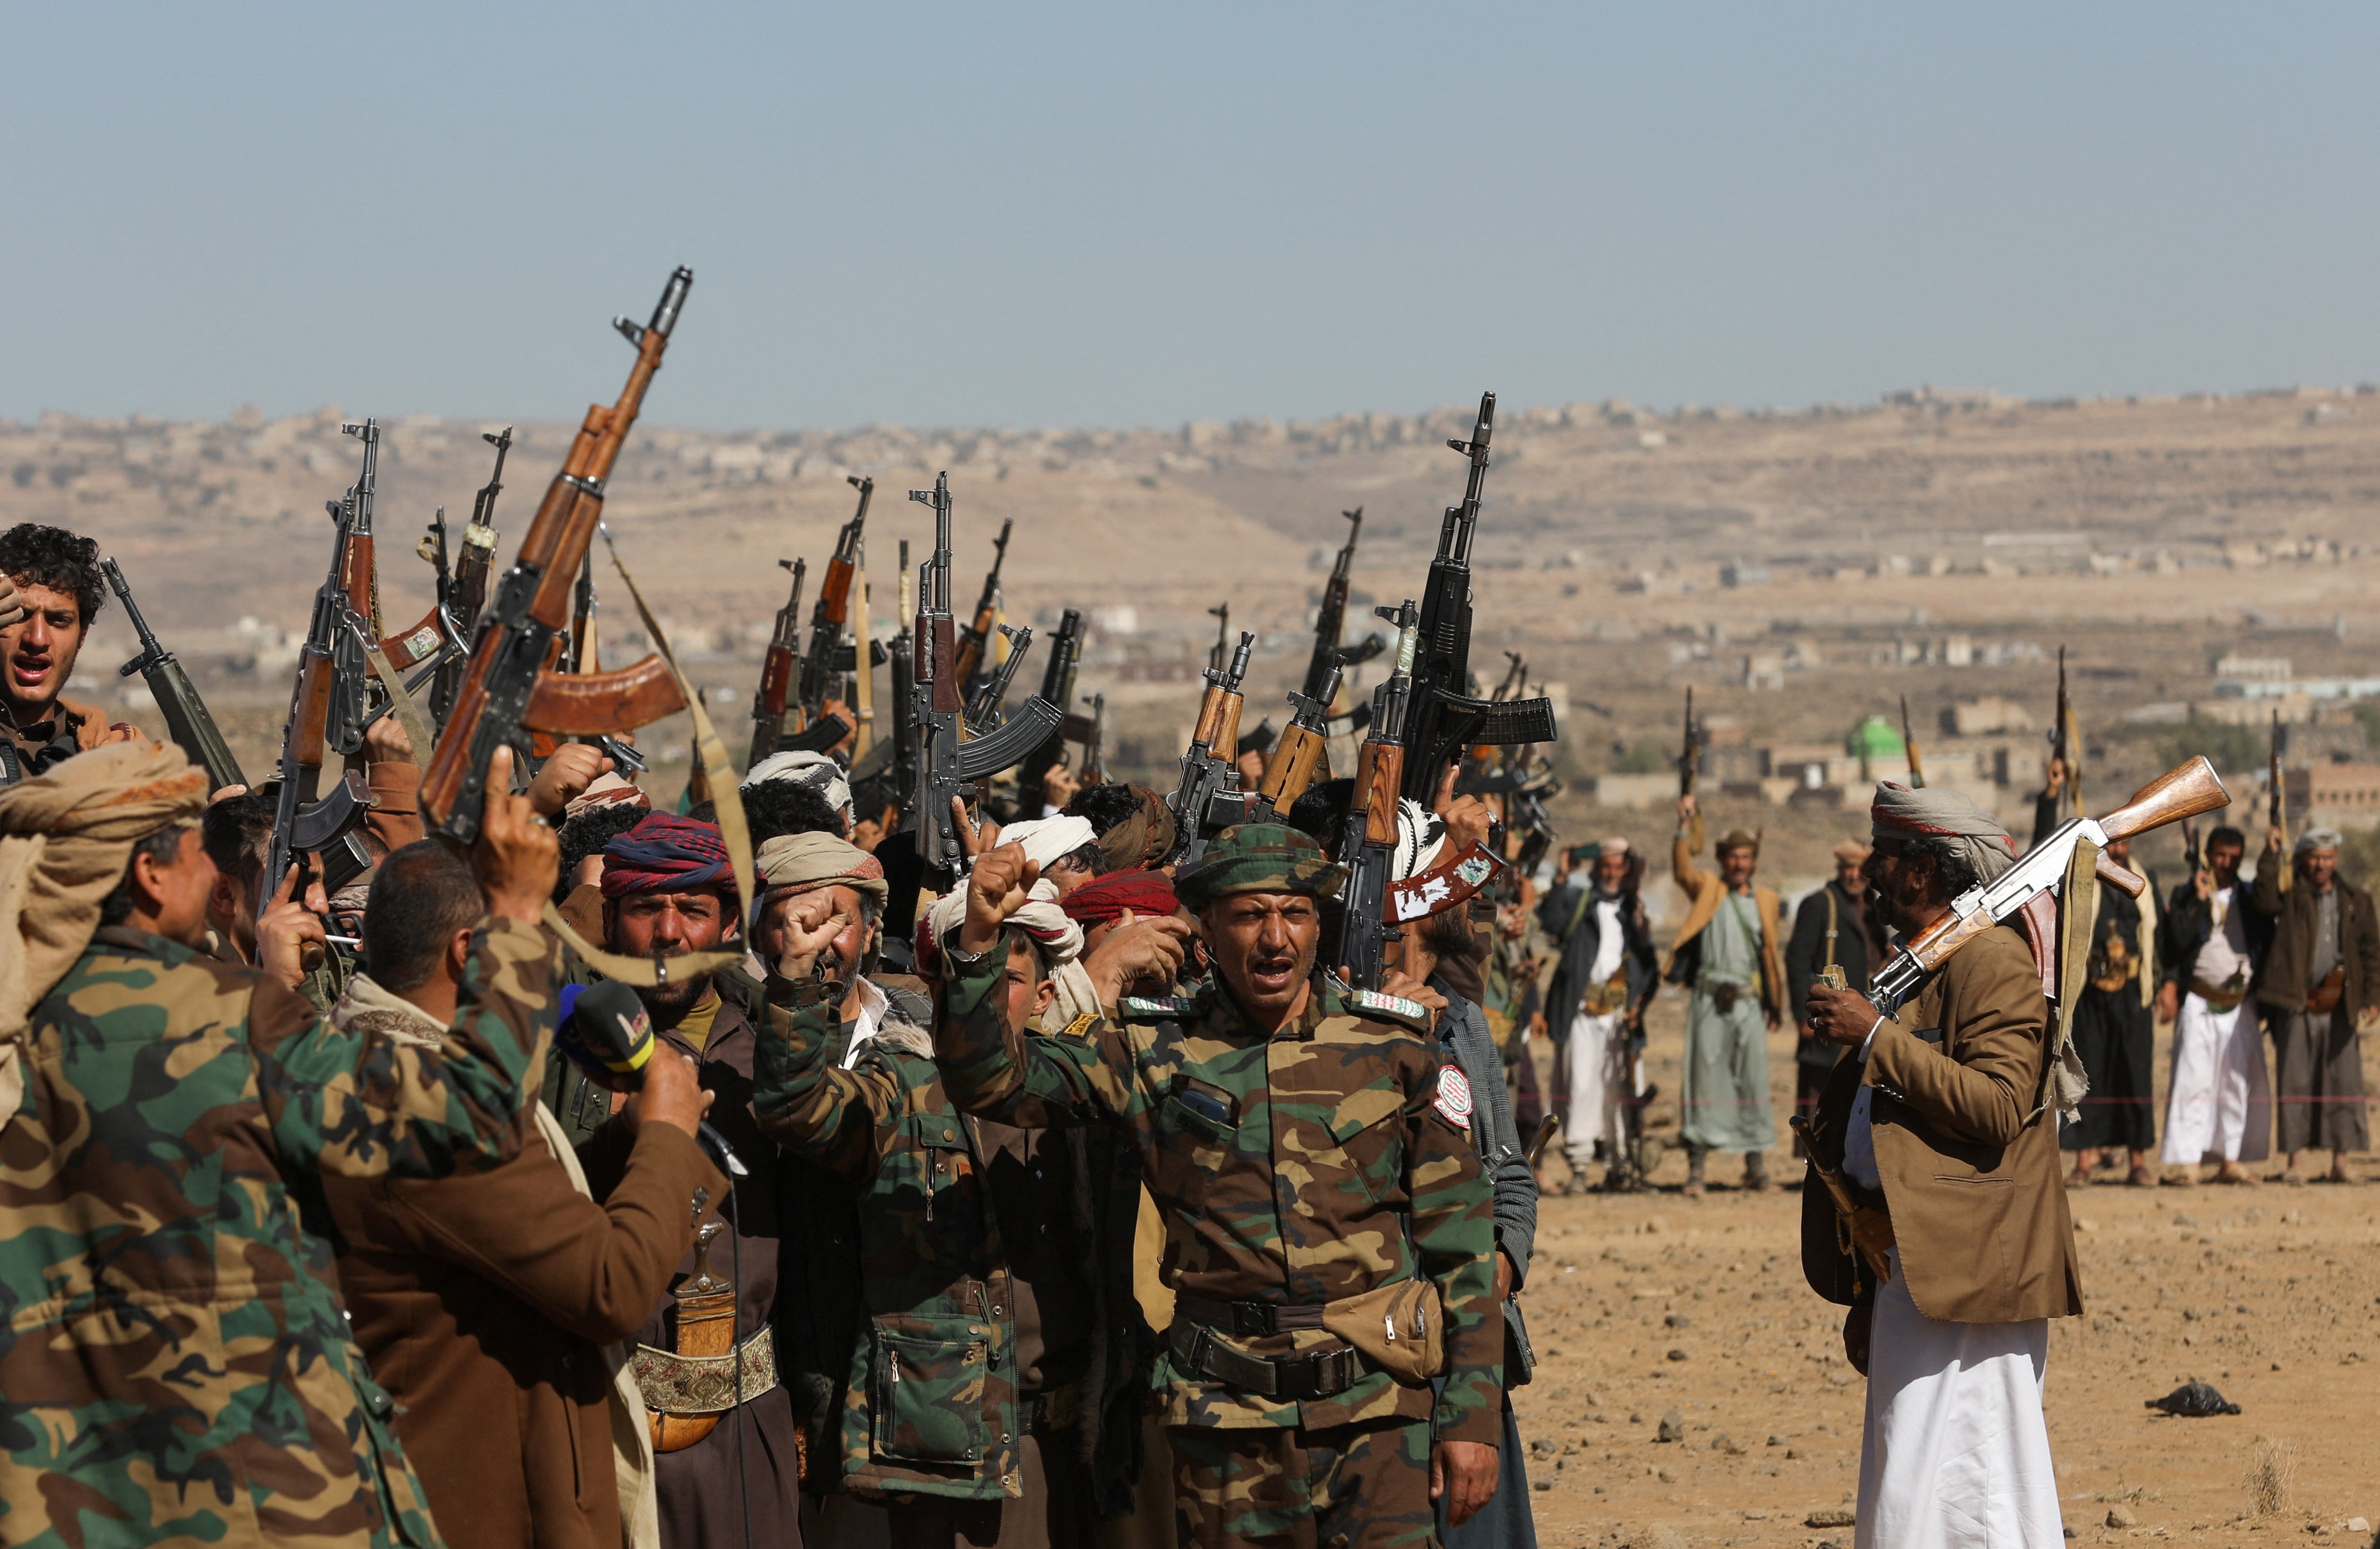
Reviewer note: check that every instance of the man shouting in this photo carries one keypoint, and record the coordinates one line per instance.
(1938, 1121)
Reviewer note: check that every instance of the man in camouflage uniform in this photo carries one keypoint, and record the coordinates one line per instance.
(1320, 1194)
(992, 1382)
(176, 1364)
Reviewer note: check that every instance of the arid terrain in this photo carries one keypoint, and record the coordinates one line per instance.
(1938, 548)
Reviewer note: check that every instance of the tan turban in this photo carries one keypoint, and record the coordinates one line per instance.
(792, 864)
(65, 839)
(1145, 839)
(1850, 851)
(1938, 812)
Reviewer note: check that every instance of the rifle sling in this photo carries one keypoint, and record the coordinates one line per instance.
(401, 705)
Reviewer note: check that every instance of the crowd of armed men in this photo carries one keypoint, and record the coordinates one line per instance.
(456, 1147)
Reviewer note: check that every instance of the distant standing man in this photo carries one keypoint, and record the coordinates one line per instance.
(1595, 1007)
(2113, 1031)
(49, 590)
(1729, 952)
(2321, 979)
(2220, 1107)
(1833, 928)
(1939, 1120)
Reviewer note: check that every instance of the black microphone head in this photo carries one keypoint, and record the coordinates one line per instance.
(605, 1028)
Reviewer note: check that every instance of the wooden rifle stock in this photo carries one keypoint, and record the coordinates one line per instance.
(509, 684)
(2188, 792)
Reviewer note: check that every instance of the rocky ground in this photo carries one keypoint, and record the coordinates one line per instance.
(1693, 1391)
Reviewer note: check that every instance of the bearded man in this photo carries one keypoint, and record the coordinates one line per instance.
(1941, 1123)
(1731, 950)
(668, 891)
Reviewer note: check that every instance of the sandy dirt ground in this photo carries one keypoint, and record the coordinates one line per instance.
(1655, 1306)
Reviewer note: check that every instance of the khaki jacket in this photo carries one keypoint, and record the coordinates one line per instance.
(1970, 1169)
(1703, 891)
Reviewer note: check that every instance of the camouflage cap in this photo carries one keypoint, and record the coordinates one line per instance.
(1261, 858)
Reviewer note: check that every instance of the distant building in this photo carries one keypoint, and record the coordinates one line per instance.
(2332, 793)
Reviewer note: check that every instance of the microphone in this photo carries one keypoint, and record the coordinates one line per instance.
(606, 1031)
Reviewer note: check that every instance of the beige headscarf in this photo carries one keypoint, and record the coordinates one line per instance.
(1059, 939)
(792, 864)
(65, 838)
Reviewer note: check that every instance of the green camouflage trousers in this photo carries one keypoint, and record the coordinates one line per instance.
(1347, 1487)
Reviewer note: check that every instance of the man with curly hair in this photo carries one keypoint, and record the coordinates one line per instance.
(49, 593)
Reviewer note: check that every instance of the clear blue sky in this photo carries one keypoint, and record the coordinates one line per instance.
(1134, 214)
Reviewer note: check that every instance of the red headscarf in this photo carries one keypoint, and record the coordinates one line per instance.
(1104, 900)
(666, 853)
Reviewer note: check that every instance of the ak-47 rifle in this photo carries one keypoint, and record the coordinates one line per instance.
(2187, 791)
(889, 768)
(1330, 619)
(326, 706)
(777, 671)
(983, 710)
(2064, 742)
(974, 646)
(2277, 804)
(468, 592)
(2194, 859)
(1690, 758)
(1368, 845)
(1298, 755)
(823, 662)
(187, 721)
(1058, 687)
(1221, 652)
(948, 764)
(1909, 743)
(508, 692)
(1209, 799)
(1445, 717)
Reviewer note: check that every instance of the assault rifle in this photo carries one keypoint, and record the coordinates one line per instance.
(947, 763)
(1058, 687)
(983, 710)
(507, 692)
(2187, 791)
(776, 671)
(1209, 799)
(822, 661)
(1908, 743)
(325, 708)
(187, 721)
(1330, 620)
(2194, 859)
(2063, 740)
(2277, 804)
(1298, 753)
(1221, 650)
(467, 594)
(1368, 844)
(975, 641)
(1445, 717)
(1690, 758)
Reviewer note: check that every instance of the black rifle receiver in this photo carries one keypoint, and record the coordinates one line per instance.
(186, 720)
(1445, 717)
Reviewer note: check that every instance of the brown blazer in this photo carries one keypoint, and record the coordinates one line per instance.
(2281, 980)
(482, 1301)
(1704, 891)
(1971, 1172)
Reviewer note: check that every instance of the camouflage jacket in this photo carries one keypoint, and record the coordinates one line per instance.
(176, 1364)
(930, 1408)
(1301, 1168)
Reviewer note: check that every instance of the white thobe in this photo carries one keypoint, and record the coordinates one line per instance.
(1954, 1451)
(2219, 1104)
(1596, 1065)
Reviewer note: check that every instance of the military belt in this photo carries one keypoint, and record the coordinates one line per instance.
(1315, 1374)
(1250, 1320)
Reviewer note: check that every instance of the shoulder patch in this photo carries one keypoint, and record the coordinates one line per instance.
(1453, 1102)
(1379, 1003)
(1154, 1008)
(1081, 1026)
